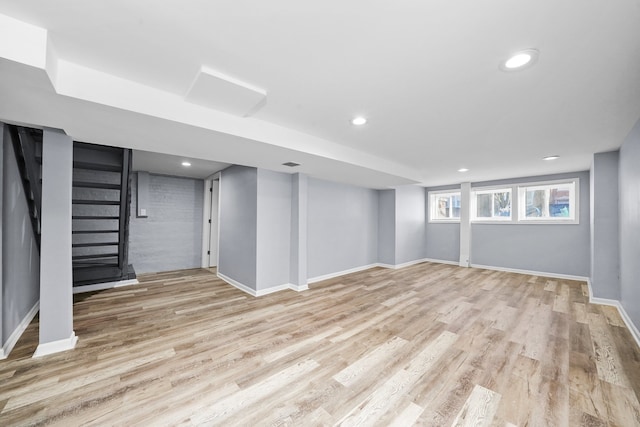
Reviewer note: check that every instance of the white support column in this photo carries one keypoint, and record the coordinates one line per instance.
(56, 273)
(298, 264)
(2, 137)
(465, 224)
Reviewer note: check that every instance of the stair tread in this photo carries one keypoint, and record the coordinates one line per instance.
(89, 245)
(93, 265)
(77, 257)
(95, 202)
(97, 166)
(93, 231)
(91, 184)
(94, 217)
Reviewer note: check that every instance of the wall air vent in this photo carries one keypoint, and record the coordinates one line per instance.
(291, 164)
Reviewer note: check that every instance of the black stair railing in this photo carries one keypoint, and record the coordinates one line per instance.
(24, 147)
(125, 199)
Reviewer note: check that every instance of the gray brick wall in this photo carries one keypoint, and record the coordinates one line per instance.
(170, 237)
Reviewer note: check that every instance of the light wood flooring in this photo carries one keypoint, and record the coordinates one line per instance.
(430, 344)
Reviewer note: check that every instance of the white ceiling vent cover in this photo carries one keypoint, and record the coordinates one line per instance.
(215, 90)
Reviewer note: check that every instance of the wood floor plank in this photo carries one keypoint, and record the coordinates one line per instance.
(429, 344)
(608, 360)
(479, 409)
(364, 365)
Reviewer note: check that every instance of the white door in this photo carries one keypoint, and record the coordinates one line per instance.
(213, 224)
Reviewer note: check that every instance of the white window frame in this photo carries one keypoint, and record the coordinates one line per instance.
(574, 202)
(432, 205)
(491, 190)
(519, 200)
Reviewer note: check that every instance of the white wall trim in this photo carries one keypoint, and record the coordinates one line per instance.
(261, 292)
(272, 289)
(623, 313)
(341, 273)
(56, 346)
(206, 209)
(383, 265)
(378, 264)
(17, 333)
(300, 288)
(236, 284)
(533, 273)
(103, 286)
(403, 265)
(442, 261)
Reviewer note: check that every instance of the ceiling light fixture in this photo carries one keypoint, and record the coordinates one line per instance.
(520, 60)
(555, 156)
(186, 164)
(463, 170)
(358, 121)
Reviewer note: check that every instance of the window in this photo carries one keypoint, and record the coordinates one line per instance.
(444, 206)
(491, 205)
(550, 202)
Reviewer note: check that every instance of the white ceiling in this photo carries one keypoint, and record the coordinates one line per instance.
(166, 164)
(426, 74)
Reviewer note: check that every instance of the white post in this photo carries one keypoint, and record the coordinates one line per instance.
(298, 262)
(56, 271)
(465, 224)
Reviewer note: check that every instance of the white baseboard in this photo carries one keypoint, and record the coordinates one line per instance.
(236, 284)
(300, 288)
(532, 273)
(103, 286)
(272, 289)
(341, 273)
(623, 313)
(261, 292)
(377, 264)
(403, 265)
(56, 346)
(17, 333)
(442, 261)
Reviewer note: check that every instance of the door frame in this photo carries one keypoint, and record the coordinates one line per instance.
(206, 215)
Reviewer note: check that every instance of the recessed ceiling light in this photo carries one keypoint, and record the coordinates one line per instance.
(520, 60)
(555, 156)
(358, 121)
(186, 164)
(463, 170)
(291, 164)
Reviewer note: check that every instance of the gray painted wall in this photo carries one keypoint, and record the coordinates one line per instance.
(21, 282)
(273, 228)
(605, 243)
(554, 248)
(387, 227)
(410, 224)
(238, 224)
(629, 186)
(443, 239)
(170, 237)
(342, 227)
